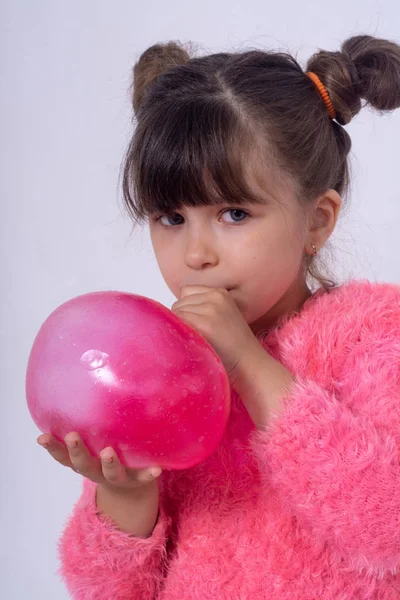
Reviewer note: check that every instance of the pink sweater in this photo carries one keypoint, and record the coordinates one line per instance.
(307, 509)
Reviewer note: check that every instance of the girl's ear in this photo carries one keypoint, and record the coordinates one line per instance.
(324, 216)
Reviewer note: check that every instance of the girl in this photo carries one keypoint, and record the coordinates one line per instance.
(239, 164)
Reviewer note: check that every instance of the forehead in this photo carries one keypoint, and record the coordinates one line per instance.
(267, 180)
(237, 174)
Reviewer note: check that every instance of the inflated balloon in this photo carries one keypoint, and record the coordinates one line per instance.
(124, 371)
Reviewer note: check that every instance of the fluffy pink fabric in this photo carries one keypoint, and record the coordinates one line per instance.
(308, 508)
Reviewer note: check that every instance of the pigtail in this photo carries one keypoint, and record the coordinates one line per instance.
(156, 60)
(366, 68)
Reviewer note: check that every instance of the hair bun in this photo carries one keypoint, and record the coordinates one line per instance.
(155, 60)
(366, 68)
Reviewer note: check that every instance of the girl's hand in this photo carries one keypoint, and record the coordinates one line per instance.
(214, 314)
(107, 470)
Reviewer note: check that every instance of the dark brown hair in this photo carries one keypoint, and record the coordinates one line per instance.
(198, 119)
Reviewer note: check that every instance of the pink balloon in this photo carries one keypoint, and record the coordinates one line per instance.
(124, 371)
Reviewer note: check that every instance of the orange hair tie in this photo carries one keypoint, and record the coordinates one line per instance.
(324, 93)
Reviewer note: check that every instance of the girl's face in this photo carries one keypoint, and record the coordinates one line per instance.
(255, 251)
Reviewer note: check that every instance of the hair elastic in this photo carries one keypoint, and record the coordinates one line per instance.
(324, 93)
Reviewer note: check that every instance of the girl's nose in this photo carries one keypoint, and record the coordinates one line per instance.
(200, 253)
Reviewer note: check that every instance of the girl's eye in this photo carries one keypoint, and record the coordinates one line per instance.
(171, 220)
(236, 214)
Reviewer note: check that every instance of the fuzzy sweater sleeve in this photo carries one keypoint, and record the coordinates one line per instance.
(333, 455)
(99, 562)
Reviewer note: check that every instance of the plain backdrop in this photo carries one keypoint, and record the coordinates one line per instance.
(65, 121)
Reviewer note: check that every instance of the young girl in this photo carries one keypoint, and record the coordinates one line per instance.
(239, 163)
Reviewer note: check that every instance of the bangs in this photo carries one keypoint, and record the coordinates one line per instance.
(190, 154)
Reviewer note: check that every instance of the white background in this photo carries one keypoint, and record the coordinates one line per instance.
(65, 122)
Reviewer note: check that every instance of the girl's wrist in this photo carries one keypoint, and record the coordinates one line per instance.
(137, 492)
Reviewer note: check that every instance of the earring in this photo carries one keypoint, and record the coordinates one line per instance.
(314, 247)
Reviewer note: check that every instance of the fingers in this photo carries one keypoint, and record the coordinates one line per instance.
(81, 460)
(116, 474)
(111, 467)
(143, 476)
(75, 455)
(55, 448)
(72, 454)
